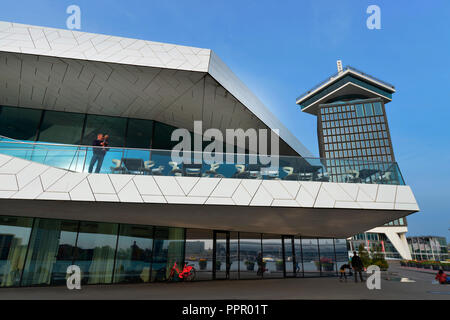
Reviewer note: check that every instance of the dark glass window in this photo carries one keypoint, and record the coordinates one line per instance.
(14, 237)
(50, 252)
(95, 249)
(162, 137)
(61, 127)
(134, 254)
(139, 133)
(19, 123)
(114, 127)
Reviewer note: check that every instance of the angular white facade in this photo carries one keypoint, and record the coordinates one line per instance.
(61, 70)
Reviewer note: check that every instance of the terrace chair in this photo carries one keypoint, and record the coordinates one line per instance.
(323, 177)
(305, 176)
(118, 168)
(192, 170)
(176, 171)
(240, 172)
(148, 168)
(353, 176)
(385, 177)
(254, 171)
(290, 174)
(212, 171)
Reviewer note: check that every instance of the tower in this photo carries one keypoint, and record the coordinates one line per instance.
(355, 143)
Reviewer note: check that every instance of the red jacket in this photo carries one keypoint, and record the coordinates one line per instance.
(442, 278)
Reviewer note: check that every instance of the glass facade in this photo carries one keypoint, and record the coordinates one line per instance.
(14, 237)
(78, 128)
(36, 251)
(355, 131)
(133, 254)
(19, 123)
(428, 248)
(61, 127)
(50, 252)
(311, 257)
(373, 242)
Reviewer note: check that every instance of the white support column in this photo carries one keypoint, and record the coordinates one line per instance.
(398, 240)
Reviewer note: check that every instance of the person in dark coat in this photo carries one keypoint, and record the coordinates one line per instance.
(99, 152)
(357, 266)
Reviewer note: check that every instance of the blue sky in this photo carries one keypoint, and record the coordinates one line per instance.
(283, 48)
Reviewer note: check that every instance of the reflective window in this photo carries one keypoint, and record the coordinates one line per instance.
(114, 127)
(378, 110)
(327, 258)
(272, 256)
(368, 109)
(50, 252)
(95, 249)
(199, 252)
(168, 249)
(14, 237)
(359, 110)
(19, 123)
(134, 254)
(61, 127)
(250, 255)
(234, 255)
(311, 262)
(298, 257)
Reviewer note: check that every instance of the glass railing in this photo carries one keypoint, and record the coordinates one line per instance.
(77, 158)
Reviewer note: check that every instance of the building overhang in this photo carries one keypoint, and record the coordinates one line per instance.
(307, 222)
(345, 84)
(305, 208)
(63, 70)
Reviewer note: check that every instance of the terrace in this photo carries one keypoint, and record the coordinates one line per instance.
(76, 158)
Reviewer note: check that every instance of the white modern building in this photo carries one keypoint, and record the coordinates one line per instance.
(131, 218)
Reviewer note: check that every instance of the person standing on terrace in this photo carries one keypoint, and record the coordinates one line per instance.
(99, 152)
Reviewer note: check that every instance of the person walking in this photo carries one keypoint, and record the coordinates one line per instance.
(357, 266)
(98, 152)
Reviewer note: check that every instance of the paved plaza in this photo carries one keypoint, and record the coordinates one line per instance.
(301, 288)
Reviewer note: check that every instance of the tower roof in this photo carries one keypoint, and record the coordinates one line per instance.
(350, 83)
